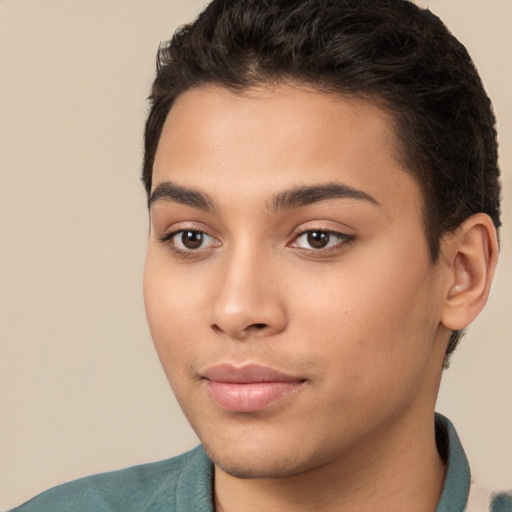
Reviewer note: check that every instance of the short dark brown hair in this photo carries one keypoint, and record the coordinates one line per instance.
(387, 51)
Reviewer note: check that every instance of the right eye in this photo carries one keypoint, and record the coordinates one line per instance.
(189, 240)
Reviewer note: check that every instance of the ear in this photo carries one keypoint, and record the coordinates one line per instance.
(470, 255)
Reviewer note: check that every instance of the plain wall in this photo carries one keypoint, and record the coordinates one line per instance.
(81, 389)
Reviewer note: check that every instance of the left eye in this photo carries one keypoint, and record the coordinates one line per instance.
(319, 239)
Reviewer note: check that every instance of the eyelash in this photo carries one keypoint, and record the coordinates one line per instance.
(344, 241)
(183, 253)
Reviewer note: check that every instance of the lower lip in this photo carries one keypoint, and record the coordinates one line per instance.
(250, 397)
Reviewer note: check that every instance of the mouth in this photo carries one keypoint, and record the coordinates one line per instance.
(248, 388)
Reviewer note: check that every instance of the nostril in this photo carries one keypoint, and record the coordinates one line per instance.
(216, 328)
(241, 330)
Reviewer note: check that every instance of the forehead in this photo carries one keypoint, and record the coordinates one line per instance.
(280, 117)
(268, 138)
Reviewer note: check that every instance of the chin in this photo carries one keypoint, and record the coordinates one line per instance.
(241, 460)
(247, 468)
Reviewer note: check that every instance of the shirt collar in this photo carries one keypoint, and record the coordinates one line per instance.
(457, 480)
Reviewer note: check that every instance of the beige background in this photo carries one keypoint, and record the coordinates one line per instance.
(81, 390)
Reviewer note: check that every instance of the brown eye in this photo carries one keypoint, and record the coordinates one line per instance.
(318, 239)
(185, 242)
(315, 240)
(192, 239)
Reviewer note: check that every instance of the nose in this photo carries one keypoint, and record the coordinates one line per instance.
(249, 301)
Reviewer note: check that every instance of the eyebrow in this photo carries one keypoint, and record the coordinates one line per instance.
(300, 196)
(169, 191)
(296, 197)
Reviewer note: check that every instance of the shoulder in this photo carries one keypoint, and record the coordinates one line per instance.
(501, 501)
(482, 499)
(459, 491)
(158, 486)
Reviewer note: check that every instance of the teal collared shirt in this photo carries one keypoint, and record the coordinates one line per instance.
(458, 477)
(184, 484)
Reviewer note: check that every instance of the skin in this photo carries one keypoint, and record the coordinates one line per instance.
(363, 322)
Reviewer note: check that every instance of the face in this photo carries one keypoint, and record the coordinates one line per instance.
(288, 287)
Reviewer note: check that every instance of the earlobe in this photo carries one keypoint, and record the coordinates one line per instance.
(470, 255)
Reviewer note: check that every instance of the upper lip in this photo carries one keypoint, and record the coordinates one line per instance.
(246, 374)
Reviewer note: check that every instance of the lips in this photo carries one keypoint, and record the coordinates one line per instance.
(248, 388)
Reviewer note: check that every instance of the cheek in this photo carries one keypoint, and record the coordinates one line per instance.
(373, 324)
(171, 309)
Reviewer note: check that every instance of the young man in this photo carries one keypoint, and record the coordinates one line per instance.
(323, 191)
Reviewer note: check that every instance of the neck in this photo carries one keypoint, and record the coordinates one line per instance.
(401, 470)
